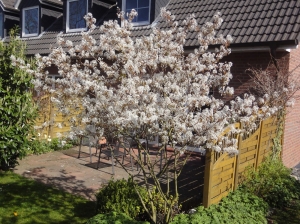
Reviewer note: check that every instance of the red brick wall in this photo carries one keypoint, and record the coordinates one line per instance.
(243, 61)
(291, 144)
(242, 83)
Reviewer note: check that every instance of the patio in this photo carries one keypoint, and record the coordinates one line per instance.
(64, 170)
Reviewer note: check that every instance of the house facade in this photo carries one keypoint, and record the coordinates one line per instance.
(264, 32)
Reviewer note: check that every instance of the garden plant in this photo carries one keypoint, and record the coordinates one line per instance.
(17, 108)
(146, 87)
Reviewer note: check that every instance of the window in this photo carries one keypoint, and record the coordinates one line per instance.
(1, 25)
(76, 10)
(30, 24)
(143, 9)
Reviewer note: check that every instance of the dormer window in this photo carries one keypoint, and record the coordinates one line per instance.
(30, 22)
(76, 10)
(143, 9)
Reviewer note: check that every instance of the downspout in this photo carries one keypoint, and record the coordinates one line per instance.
(273, 57)
(273, 51)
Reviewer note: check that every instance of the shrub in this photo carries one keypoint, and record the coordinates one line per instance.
(42, 146)
(273, 183)
(158, 203)
(113, 218)
(237, 207)
(120, 196)
(17, 110)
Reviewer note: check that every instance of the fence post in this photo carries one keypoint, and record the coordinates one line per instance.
(48, 115)
(237, 165)
(209, 162)
(259, 144)
(51, 119)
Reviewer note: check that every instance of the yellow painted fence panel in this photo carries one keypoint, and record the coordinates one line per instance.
(49, 118)
(224, 173)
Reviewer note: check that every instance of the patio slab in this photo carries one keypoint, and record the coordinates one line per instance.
(64, 170)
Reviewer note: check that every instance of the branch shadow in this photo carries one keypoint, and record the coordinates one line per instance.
(190, 182)
(65, 181)
(36, 202)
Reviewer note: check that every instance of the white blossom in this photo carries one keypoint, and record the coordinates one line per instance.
(147, 85)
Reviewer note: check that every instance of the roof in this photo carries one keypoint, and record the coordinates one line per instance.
(247, 21)
(8, 4)
(58, 2)
(17, 2)
(42, 43)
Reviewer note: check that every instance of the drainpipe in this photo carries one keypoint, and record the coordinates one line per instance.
(273, 57)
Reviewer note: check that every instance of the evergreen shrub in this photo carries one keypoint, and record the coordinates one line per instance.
(17, 109)
(120, 196)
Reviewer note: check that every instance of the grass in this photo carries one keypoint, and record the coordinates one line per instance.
(26, 201)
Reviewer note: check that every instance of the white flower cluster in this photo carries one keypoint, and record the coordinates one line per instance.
(149, 86)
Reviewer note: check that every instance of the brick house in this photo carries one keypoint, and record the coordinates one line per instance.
(261, 29)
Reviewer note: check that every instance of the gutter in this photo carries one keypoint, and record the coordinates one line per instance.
(254, 47)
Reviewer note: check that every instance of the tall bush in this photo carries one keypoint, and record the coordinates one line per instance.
(17, 110)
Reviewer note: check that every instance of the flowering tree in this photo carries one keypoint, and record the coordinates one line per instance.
(148, 86)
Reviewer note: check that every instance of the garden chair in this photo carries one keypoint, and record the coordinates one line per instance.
(112, 149)
(91, 137)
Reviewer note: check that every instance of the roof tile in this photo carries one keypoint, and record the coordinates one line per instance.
(248, 21)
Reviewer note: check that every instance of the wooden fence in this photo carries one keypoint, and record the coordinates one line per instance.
(49, 118)
(223, 172)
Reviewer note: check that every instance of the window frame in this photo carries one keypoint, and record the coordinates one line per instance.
(23, 22)
(138, 23)
(68, 30)
(2, 25)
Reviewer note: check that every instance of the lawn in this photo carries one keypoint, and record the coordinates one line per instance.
(26, 201)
